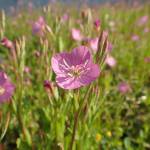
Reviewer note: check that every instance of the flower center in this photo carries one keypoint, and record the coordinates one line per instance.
(2, 90)
(76, 72)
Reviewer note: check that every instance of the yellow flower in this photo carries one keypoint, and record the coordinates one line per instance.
(98, 137)
(109, 134)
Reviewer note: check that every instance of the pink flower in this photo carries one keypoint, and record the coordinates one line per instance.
(27, 69)
(75, 69)
(6, 88)
(7, 43)
(124, 87)
(135, 38)
(76, 34)
(147, 59)
(65, 17)
(39, 26)
(143, 20)
(94, 44)
(146, 30)
(109, 47)
(97, 23)
(110, 61)
(37, 53)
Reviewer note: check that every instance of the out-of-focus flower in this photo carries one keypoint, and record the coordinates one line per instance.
(7, 43)
(146, 30)
(147, 59)
(143, 20)
(76, 34)
(37, 53)
(65, 17)
(39, 26)
(98, 137)
(75, 69)
(6, 88)
(110, 61)
(97, 24)
(109, 47)
(135, 38)
(93, 43)
(124, 87)
(109, 134)
(111, 24)
(26, 69)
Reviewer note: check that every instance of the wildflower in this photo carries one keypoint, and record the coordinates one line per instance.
(146, 30)
(110, 61)
(109, 134)
(143, 20)
(124, 87)
(135, 38)
(97, 24)
(93, 43)
(65, 17)
(39, 26)
(109, 47)
(75, 69)
(6, 88)
(98, 137)
(37, 53)
(147, 59)
(7, 43)
(76, 34)
(26, 69)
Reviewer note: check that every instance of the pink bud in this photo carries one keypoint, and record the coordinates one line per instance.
(7, 43)
(110, 61)
(97, 23)
(76, 34)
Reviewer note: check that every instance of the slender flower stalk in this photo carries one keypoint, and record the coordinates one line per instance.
(77, 115)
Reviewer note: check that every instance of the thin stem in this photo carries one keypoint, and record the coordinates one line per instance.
(76, 118)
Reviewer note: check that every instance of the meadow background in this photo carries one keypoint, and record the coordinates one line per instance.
(41, 115)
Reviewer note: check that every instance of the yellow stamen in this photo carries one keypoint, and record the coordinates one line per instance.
(2, 90)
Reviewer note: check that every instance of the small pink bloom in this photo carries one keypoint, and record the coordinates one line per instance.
(65, 17)
(147, 59)
(97, 23)
(7, 43)
(143, 20)
(37, 53)
(135, 38)
(39, 26)
(76, 34)
(94, 44)
(109, 47)
(110, 61)
(146, 30)
(26, 69)
(6, 88)
(75, 69)
(124, 87)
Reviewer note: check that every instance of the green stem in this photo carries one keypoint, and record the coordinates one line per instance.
(76, 118)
